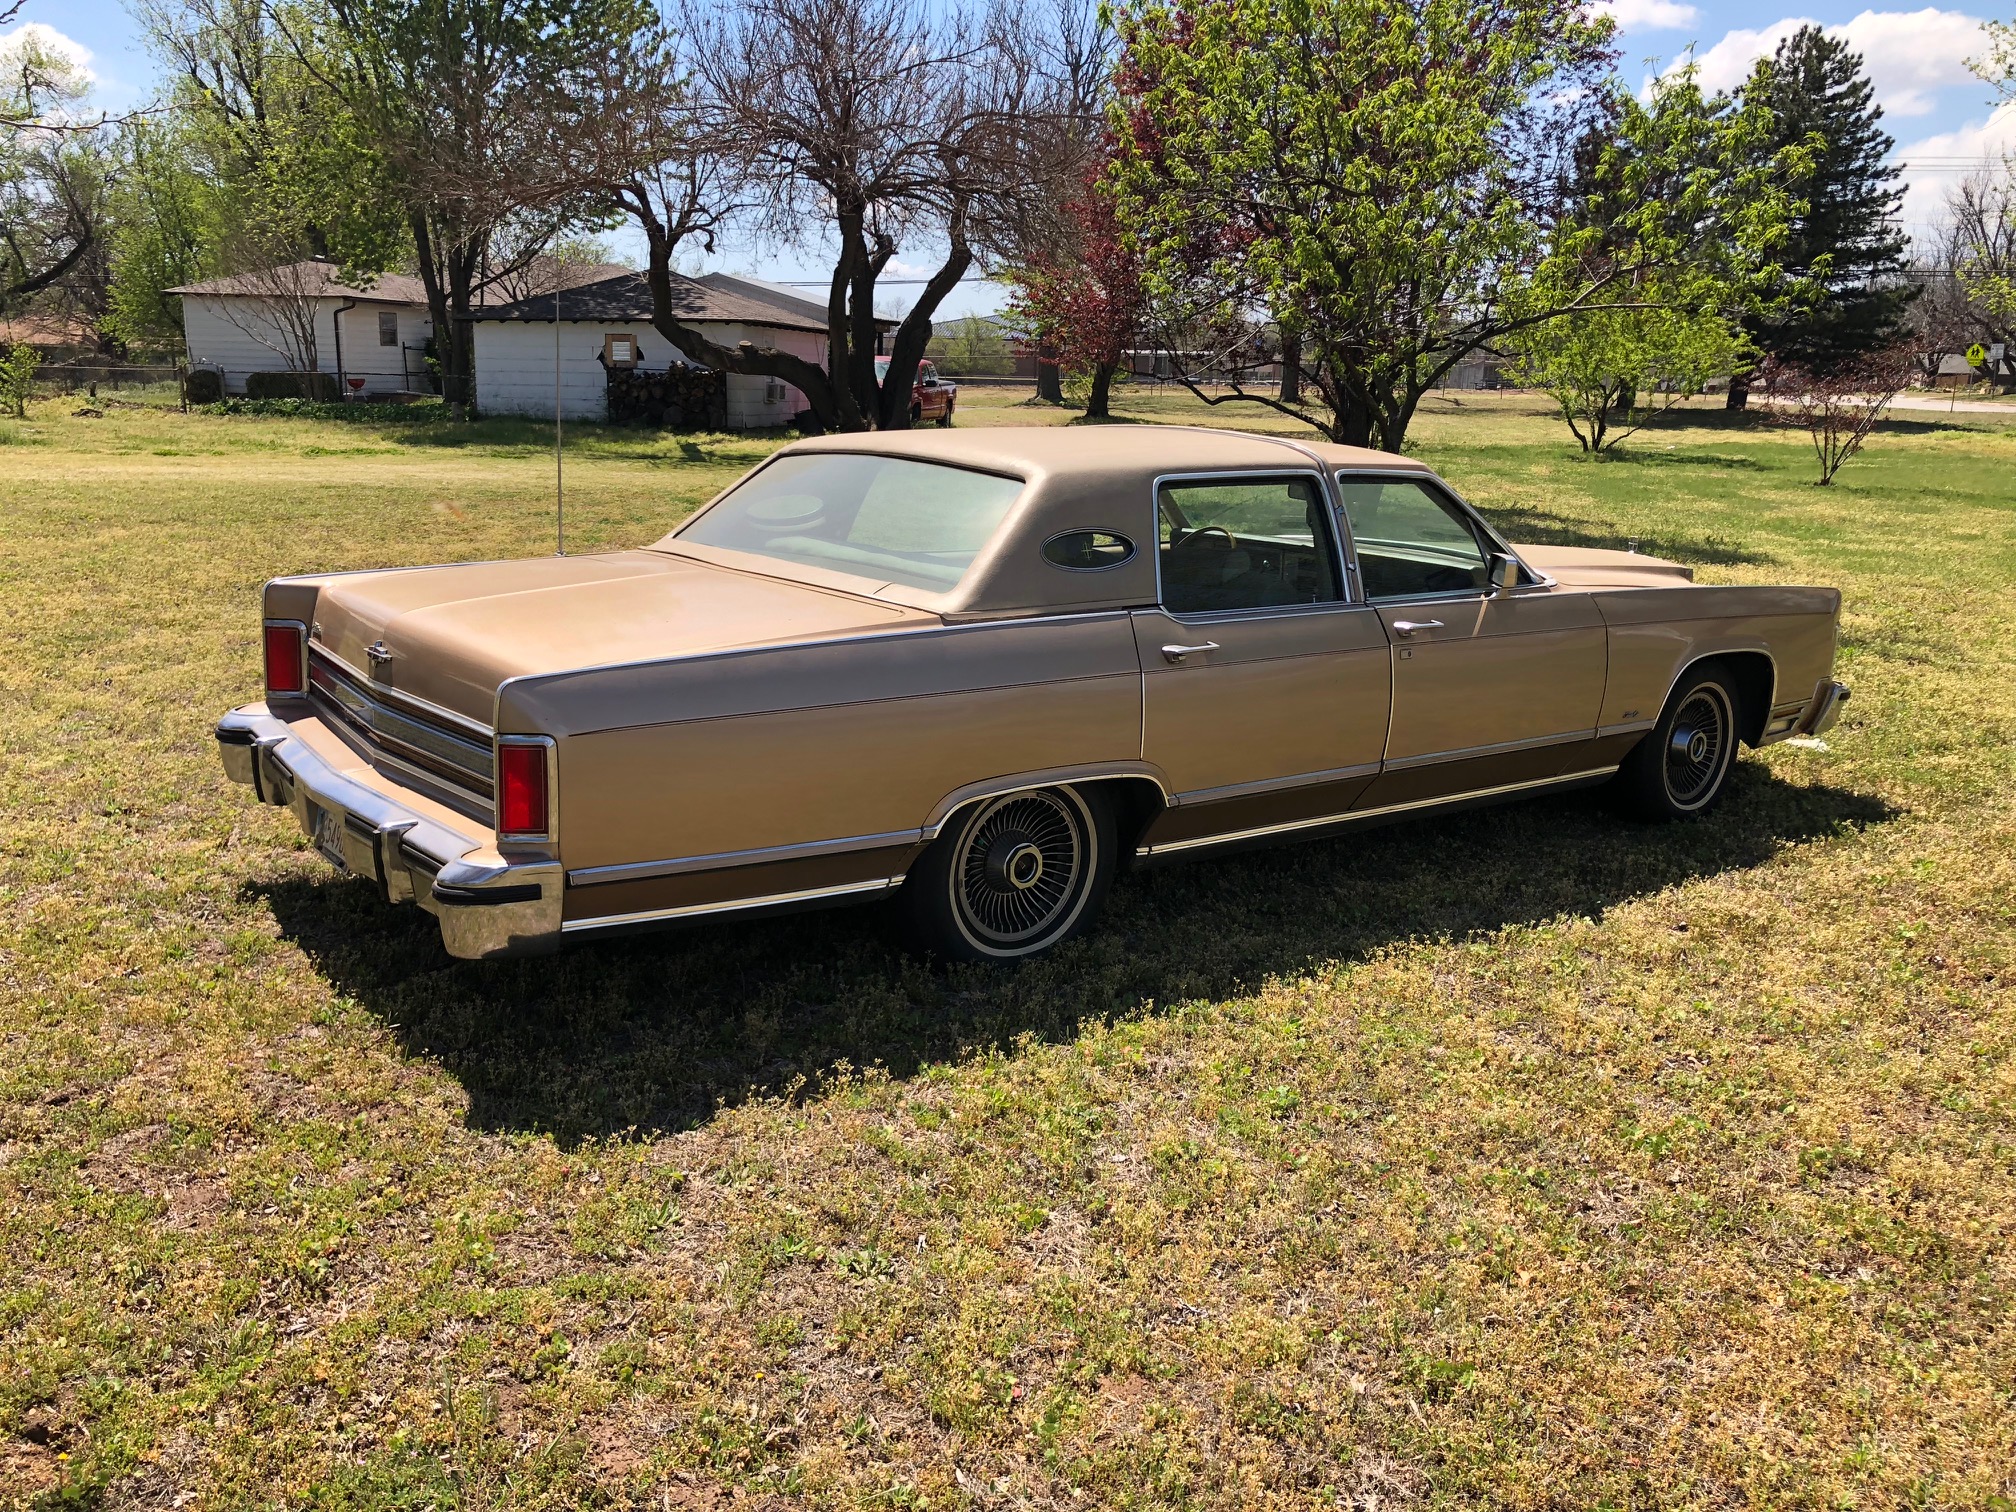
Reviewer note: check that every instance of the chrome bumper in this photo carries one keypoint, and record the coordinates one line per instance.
(488, 906)
(1824, 709)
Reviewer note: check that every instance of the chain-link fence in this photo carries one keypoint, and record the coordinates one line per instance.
(102, 379)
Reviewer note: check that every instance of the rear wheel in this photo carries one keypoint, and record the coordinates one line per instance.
(1012, 877)
(1681, 768)
(946, 418)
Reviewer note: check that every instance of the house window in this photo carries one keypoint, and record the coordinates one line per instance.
(773, 391)
(388, 328)
(619, 350)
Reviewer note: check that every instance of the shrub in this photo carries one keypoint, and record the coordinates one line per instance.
(203, 386)
(17, 378)
(320, 387)
(423, 413)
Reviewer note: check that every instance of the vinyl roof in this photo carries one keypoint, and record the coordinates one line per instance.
(1151, 449)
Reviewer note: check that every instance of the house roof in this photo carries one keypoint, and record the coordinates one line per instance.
(39, 330)
(319, 276)
(770, 293)
(627, 299)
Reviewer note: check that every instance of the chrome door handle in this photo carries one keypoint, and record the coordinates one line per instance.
(1405, 628)
(1177, 654)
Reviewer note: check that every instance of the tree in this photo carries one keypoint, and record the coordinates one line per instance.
(486, 115)
(971, 344)
(166, 232)
(1980, 254)
(1839, 406)
(1844, 243)
(17, 378)
(1390, 183)
(1082, 296)
(52, 172)
(872, 126)
(1611, 371)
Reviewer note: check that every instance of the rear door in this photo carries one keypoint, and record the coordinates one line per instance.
(1488, 691)
(1265, 686)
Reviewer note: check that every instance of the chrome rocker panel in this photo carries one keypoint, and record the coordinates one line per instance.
(488, 908)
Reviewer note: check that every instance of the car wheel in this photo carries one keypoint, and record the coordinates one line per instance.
(946, 418)
(1012, 877)
(916, 413)
(1682, 766)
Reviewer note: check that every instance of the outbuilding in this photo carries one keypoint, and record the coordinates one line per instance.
(303, 317)
(577, 341)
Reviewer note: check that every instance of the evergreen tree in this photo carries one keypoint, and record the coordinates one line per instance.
(1846, 245)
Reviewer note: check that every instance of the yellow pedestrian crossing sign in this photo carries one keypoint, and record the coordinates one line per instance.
(1976, 355)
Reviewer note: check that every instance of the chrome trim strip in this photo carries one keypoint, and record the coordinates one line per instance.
(356, 705)
(1345, 600)
(1273, 784)
(1349, 816)
(394, 697)
(1503, 747)
(638, 871)
(1627, 727)
(738, 905)
(979, 792)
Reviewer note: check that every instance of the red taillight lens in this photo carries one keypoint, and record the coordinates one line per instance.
(521, 789)
(285, 669)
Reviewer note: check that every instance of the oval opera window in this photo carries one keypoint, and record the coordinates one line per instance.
(1087, 550)
(619, 349)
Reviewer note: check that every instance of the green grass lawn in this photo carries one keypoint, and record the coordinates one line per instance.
(1522, 1159)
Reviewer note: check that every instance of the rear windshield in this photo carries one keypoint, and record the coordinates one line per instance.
(887, 518)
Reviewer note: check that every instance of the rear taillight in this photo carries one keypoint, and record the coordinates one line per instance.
(286, 659)
(523, 773)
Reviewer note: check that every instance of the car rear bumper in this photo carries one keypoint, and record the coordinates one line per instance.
(488, 905)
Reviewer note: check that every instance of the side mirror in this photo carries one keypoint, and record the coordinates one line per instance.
(1504, 573)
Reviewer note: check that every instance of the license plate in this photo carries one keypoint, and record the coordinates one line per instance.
(328, 834)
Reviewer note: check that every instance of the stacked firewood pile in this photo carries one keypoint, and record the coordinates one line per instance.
(679, 398)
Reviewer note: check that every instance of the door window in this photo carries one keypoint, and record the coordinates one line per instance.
(1411, 541)
(1248, 543)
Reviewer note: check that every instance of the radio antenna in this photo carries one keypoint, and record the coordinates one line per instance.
(559, 480)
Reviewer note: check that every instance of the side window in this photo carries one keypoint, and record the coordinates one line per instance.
(1410, 541)
(1259, 543)
(388, 328)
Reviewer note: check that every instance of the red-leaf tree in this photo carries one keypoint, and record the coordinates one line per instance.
(1078, 296)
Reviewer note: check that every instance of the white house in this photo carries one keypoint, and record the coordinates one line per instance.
(608, 324)
(303, 316)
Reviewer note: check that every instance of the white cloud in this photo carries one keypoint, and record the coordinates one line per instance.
(1909, 55)
(1935, 164)
(1648, 15)
(45, 38)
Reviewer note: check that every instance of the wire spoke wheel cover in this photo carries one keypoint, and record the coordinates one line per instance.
(1699, 745)
(1020, 869)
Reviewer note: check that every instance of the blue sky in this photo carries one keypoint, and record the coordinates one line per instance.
(1944, 119)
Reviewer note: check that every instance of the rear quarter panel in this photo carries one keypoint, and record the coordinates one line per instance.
(711, 755)
(1656, 633)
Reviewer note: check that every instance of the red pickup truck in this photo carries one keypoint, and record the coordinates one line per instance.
(931, 397)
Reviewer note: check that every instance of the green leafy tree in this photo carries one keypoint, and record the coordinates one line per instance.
(1611, 371)
(1844, 243)
(17, 378)
(1398, 184)
(167, 231)
(971, 344)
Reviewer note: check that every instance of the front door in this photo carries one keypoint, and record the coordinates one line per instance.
(1488, 691)
(1264, 691)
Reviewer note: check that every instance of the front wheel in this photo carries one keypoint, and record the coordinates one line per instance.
(1012, 877)
(1681, 768)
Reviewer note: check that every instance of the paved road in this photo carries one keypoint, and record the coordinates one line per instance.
(1953, 406)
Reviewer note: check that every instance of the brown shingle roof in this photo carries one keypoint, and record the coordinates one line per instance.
(627, 298)
(386, 288)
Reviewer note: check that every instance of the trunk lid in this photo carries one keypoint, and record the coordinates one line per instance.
(451, 635)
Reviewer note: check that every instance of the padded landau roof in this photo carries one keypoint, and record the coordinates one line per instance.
(1080, 478)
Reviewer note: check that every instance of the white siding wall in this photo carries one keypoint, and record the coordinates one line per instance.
(225, 332)
(514, 369)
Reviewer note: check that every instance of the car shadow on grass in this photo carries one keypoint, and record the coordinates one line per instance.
(652, 1034)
